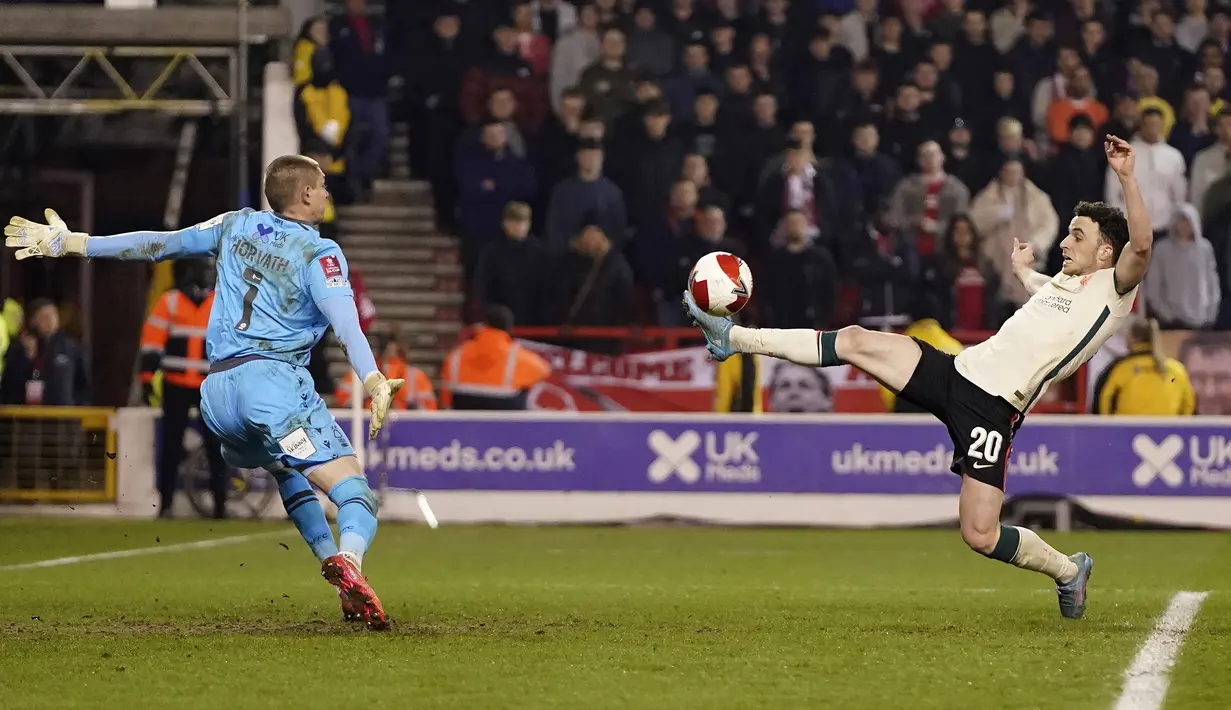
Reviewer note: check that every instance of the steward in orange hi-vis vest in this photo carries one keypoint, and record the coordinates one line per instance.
(173, 341)
(491, 371)
(416, 394)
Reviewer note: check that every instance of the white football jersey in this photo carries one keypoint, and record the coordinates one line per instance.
(1049, 338)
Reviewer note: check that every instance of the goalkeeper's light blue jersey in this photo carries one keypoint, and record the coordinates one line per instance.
(272, 272)
(273, 275)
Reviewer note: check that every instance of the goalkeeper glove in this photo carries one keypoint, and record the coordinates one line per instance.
(381, 390)
(51, 240)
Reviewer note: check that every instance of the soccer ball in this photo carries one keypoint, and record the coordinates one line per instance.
(721, 283)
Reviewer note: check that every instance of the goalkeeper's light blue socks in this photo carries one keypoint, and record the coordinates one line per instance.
(305, 510)
(357, 507)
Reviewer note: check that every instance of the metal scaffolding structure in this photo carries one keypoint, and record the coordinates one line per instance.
(67, 97)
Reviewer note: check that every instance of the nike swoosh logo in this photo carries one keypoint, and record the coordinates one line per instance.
(986, 465)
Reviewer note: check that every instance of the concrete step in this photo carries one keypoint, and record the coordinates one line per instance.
(414, 295)
(394, 243)
(401, 171)
(423, 212)
(381, 260)
(401, 187)
(428, 354)
(350, 225)
(389, 287)
(399, 141)
(412, 274)
(451, 313)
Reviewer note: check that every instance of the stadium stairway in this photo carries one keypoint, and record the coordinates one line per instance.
(411, 272)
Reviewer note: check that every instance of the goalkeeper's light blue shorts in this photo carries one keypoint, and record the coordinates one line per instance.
(265, 411)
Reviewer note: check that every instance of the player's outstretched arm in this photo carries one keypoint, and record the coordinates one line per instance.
(1023, 268)
(54, 240)
(331, 291)
(1131, 267)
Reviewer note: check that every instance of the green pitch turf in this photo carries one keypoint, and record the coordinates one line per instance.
(639, 618)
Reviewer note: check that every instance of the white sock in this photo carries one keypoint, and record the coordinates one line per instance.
(353, 556)
(799, 345)
(1034, 554)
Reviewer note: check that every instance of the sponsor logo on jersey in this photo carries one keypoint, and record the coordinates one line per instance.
(736, 462)
(297, 444)
(331, 266)
(337, 282)
(1201, 461)
(1058, 302)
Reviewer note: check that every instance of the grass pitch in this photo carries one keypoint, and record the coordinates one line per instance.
(592, 618)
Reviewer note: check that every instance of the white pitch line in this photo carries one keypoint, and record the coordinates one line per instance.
(140, 551)
(1147, 679)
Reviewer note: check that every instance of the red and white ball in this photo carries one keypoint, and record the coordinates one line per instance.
(721, 283)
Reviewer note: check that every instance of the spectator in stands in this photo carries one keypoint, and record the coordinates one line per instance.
(555, 18)
(1125, 118)
(490, 370)
(885, 264)
(436, 81)
(1096, 55)
(650, 49)
(909, 127)
(1034, 55)
(1193, 27)
(608, 83)
(591, 285)
(1183, 290)
(586, 195)
(557, 151)
(1008, 24)
(1078, 100)
(799, 280)
(962, 159)
(1160, 173)
(857, 26)
(501, 107)
(1012, 208)
(1145, 382)
(869, 175)
(1211, 163)
(505, 69)
(394, 363)
(573, 52)
(1075, 174)
(764, 141)
(923, 203)
(709, 235)
(738, 97)
(696, 83)
(510, 270)
(1053, 88)
(1192, 133)
(323, 117)
(1166, 56)
(313, 35)
(723, 53)
(532, 45)
(960, 287)
(1146, 80)
(798, 186)
(974, 61)
(685, 23)
(822, 76)
(487, 181)
(697, 171)
(46, 367)
(359, 54)
(648, 165)
(656, 246)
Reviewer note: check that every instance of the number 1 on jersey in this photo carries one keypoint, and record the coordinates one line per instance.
(254, 279)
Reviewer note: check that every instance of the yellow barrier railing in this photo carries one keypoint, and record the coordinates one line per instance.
(57, 454)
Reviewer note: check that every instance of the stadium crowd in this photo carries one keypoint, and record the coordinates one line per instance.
(867, 157)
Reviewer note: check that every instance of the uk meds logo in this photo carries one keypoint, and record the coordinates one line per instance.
(1158, 460)
(736, 462)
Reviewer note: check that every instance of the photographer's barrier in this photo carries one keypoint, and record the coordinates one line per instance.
(543, 467)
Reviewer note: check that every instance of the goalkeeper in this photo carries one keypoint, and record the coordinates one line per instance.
(280, 285)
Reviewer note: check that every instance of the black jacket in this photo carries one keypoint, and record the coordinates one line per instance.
(510, 273)
(59, 364)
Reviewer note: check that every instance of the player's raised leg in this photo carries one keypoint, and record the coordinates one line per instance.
(891, 358)
(357, 508)
(979, 512)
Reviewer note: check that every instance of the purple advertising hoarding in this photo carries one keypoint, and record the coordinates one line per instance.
(870, 455)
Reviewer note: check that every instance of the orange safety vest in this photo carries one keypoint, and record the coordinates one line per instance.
(490, 371)
(173, 340)
(417, 394)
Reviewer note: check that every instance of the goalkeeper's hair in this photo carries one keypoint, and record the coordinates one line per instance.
(284, 178)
